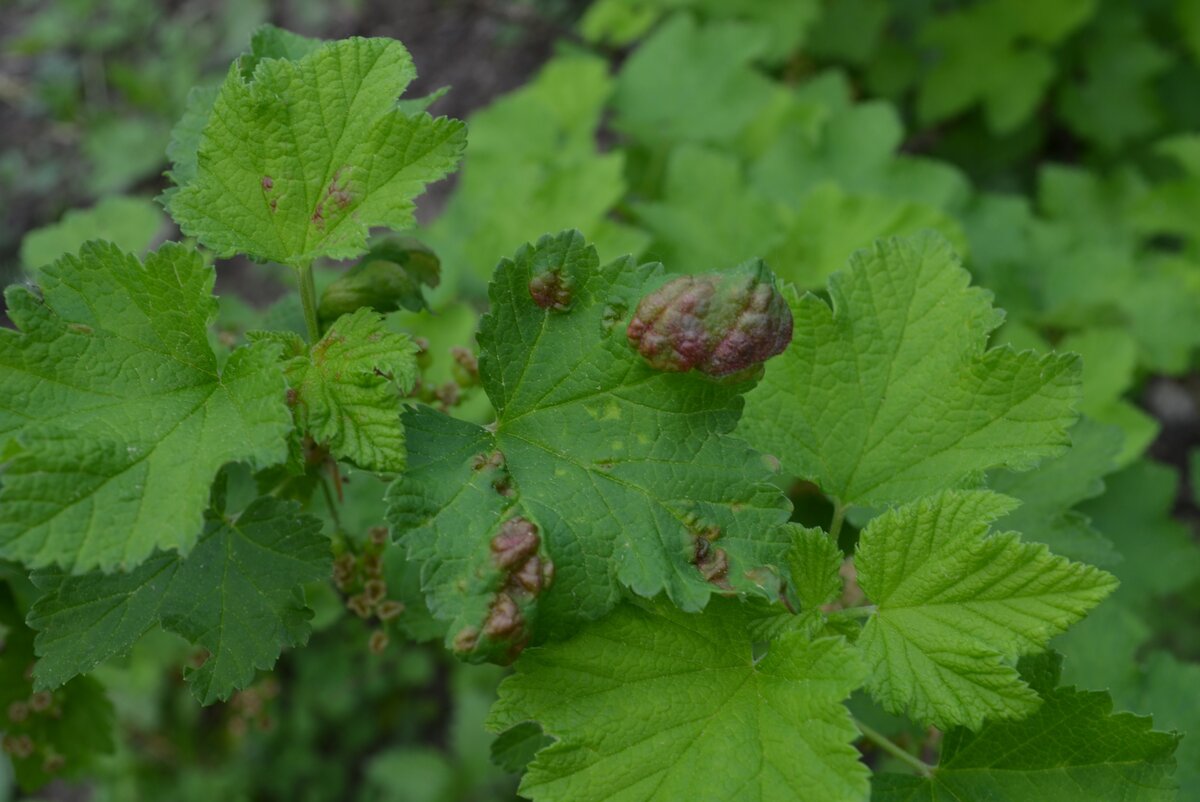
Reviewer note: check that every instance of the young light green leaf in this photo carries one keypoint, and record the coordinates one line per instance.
(129, 223)
(238, 594)
(534, 154)
(626, 472)
(890, 394)
(653, 703)
(692, 83)
(346, 389)
(121, 411)
(955, 602)
(301, 158)
(1073, 749)
(815, 561)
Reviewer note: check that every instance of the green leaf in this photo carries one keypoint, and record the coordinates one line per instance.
(1073, 749)
(688, 83)
(534, 155)
(514, 748)
(1168, 691)
(993, 53)
(1113, 98)
(955, 602)
(652, 703)
(815, 561)
(708, 218)
(627, 472)
(121, 411)
(890, 394)
(266, 42)
(1049, 492)
(238, 594)
(132, 224)
(303, 157)
(1109, 360)
(348, 386)
(1135, 512)
(47, 735)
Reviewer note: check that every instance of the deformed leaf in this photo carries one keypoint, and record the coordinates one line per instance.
(888, 394)
(346, 389)
(626, 473)
(955, 603)
(119, 410)
(300, 158)
(654, 703)
(238, 595)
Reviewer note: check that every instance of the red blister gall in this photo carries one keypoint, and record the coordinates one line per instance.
(716, 323)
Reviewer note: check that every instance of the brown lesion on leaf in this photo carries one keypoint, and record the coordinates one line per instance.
(711, 561)
(523, 574)
(551, 287)
(337, 192)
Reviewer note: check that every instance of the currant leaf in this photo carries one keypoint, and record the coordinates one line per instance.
(346, 389)
(627, 473)
(955, 602)
(654, 703)
(299, 159)
(1073, 749)
(890, 394)
(238, 595)
(120, 412)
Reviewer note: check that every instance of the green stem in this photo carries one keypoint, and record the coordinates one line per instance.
(308, 299)
(839, 517)
(893, 749)
(331, 503)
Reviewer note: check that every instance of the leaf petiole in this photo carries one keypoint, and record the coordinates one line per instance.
(894, 749)
(308, 299)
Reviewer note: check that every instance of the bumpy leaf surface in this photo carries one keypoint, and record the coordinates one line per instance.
(1073, 749)
(627, 471)
(120, 410)
(890, 394)
(954, 602)
(652, 703)
(237, 594)
(301, 158)
(346, 389)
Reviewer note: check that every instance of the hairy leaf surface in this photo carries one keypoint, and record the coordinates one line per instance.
(300, 158)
